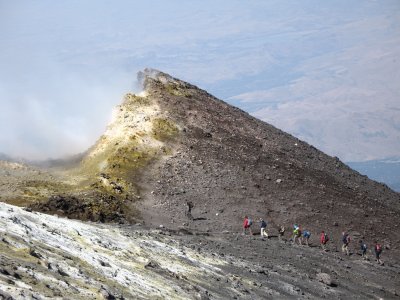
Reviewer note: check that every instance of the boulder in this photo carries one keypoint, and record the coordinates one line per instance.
(325, 278)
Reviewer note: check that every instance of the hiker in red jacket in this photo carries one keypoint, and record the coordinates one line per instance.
(323, 240)
(378, 251)
(247, 222)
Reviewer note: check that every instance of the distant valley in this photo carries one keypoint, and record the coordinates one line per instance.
(386, 171)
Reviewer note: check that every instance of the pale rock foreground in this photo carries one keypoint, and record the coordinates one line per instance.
(47, 257)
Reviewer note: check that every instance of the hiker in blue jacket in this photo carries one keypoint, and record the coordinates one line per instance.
(363, 248)
(306, 236)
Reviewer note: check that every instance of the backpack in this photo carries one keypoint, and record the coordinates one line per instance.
(378, 248)
(306, 234)
(345, 239)
(249, 222)
(363, 247)
(326, 237)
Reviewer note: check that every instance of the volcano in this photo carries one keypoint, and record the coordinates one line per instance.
(176, 156)
(177, 166)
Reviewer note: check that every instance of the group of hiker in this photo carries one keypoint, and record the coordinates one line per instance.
(301, 236)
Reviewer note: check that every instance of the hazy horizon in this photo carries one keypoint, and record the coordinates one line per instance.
(327, 73)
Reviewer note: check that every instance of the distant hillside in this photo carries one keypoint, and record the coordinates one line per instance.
(386, 171)
(48, 163)
(5, 157)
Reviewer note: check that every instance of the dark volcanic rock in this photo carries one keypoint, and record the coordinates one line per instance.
(105, 209)
(226, 160)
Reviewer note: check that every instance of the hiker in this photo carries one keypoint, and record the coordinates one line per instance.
(263, 227)
(281, 232)
(363, 247)
(188, 213)
(247, 225)
(296, 234)
(346, 242)
(378, 251)
(306, 236)
(324, 238)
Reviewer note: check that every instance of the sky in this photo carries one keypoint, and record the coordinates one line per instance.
(327, 72)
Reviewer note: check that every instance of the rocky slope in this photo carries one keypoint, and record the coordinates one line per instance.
(48, 257)
(188, 166)
(228, 164)
(175, 146)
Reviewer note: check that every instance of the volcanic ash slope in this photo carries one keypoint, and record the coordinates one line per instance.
(175, 146)
(48, 257)
(227, 163)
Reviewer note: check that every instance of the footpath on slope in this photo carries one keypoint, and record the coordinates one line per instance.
(283, 269)
(46, 257)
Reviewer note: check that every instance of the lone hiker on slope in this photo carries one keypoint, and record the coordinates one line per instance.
(263, 227)
(247, 222)
(188, 213)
